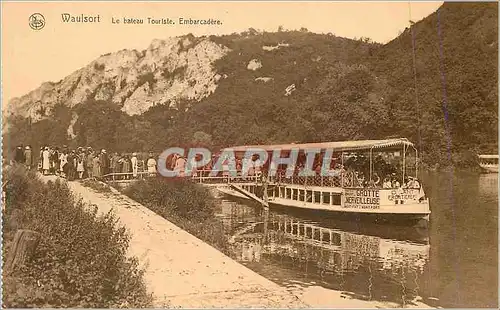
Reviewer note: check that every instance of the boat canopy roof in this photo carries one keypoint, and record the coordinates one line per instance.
(488, 156)
(335, 146)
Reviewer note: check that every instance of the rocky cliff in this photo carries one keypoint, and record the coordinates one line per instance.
(168, 70)
(281, 87)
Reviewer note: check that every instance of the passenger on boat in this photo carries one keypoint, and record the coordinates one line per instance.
(193, 164)
(180, 166)
(412, 183)
(395, 182)
(387, 183)
(151, 163)
(257, 165)
(374, 182)
(416, 184)
(225, 168)
(239, 166)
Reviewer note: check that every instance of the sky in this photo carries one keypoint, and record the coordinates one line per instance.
(31, 57)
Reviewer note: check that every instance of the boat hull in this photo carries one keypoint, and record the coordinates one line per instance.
(403, 218)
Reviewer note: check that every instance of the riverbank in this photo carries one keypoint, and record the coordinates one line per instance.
(213, 279)
(59, 253)
(181, 270)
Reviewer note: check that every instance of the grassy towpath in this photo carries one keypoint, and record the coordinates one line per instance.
(181, 270)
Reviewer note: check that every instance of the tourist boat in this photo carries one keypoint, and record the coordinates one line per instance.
(356, 189)
(489, 163)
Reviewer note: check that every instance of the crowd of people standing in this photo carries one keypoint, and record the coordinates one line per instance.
(84, 162)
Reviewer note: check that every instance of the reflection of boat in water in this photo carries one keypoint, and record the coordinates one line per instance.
(367, 266)
(489, 163)
(415, 234)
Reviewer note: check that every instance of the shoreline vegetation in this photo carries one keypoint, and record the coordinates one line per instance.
(303, 87)
(185, 204)
(80, 259)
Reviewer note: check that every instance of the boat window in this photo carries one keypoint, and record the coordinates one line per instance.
(336, 239)
(326, 198)
(309, 196)
(326, 236)
(301, 230)
(308, 232)
(336, 200)
(317, 234)
(317, 197)
(301, 195)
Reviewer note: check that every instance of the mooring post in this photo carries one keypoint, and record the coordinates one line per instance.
(265, 198)
(23, 247)
(266, 223)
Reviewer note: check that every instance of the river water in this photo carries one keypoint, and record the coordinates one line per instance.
(452, 262)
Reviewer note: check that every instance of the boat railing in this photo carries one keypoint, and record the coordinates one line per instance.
(347, 179)
(344, 179)
(119, 176)
(209, 177)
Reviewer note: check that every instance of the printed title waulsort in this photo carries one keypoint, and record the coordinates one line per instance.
(80, 18)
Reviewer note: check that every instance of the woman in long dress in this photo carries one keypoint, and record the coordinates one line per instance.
(96, 167)
(126, 167)
(89, 164)
(151, 165)
(180, 166)
(63, 161)
(28, 157)
(133, 161)
(79, 166)
(46, 161)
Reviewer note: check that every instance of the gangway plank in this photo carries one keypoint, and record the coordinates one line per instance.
(247, 193)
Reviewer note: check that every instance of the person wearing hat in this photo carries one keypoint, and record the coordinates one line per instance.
(19, 155)
(63, 161)
(104, 162)
(80, 164)
(70, 166)
(89, 163)
(54, 159)
(151, 163)
(96, 166)
(387, 182)
(395, 182)
(46, 160)
(133, 161)
(126, 166)
(28, 157)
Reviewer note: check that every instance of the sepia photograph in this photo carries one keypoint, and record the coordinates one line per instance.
(249, 154)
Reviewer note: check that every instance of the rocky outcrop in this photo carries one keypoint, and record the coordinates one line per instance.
(168, 70)
(254, 64)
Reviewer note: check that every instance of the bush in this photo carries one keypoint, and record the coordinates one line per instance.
(187, 205)
(80, 260)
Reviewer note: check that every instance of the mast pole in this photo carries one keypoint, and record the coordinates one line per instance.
(416, 163)
(371, 162)
(342, 170)
(404, 162)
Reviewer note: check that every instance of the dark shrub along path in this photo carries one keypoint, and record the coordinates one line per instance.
(187, 205)
(80, 260)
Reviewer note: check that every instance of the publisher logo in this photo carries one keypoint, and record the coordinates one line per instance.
(37, 21)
